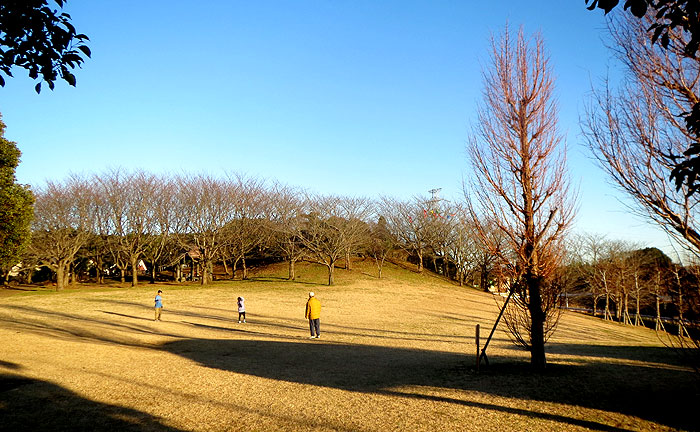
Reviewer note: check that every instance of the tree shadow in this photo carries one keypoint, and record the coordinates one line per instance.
(667, 396)
(74, 326)
(33, 405)
(140, 318)
(661, 356)
(10, 365)
(23, 288)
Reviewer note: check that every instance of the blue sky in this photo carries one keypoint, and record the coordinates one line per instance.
(363, 98)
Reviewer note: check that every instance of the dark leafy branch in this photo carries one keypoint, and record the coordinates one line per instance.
(42, 40)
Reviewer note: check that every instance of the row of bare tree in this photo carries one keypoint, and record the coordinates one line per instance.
(628, 284)
(116, 219)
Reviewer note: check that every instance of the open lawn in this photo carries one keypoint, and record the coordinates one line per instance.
(395, 353)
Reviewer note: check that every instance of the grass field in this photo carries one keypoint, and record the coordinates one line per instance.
(395, 354)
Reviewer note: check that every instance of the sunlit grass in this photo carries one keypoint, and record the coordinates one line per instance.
(396, 353)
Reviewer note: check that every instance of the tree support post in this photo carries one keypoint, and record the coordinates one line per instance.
(493, 330)
(477, 348)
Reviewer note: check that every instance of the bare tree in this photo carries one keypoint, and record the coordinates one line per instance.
(442, 232)
(330, 228)
(635, 131)
(639, 266)
(520, 183)
(381, 243)
(285, 212)
(356, 212)
(113, 209)
(248, 227)
(408, 223)
(159, 242)
(205, 205)
(60, 225)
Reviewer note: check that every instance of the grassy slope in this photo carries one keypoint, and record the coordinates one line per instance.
(395, 354)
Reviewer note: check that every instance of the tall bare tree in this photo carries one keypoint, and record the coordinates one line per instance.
(520, 182)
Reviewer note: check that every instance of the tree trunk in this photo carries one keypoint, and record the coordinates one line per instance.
(595, 306)
(226, 267)
(347, 260)
(484, 277)
(245, 268)
(659, 323)
(625, 310)
(134, 272)
(420, 262)
(153, 271)
(681, 327)
(292, 275)
(100, 271)
(204, 274)
(60, 275)
(66, 275)
(330, 272)
(233, 267)
(537, 318)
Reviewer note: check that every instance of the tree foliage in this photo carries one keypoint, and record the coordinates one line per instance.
(42, 40)
(15, 205)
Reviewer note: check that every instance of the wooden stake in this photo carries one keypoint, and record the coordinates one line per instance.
(478, 352)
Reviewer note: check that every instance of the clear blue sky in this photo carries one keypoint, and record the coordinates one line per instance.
(348, 97)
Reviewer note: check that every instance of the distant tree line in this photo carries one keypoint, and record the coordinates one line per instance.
(622, 282)
(86, 228)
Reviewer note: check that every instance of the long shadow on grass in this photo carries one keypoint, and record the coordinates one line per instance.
(70, 326)
(667, 396)
(33, 405)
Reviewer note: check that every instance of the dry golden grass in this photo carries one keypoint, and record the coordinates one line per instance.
(395, 354)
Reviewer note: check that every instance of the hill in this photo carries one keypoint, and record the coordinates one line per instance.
(396, 353)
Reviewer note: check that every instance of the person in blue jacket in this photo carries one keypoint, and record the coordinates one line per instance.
(158, 305)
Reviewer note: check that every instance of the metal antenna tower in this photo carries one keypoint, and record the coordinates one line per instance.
(434, 198)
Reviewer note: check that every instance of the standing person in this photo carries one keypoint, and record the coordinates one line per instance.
(313, 314)
(159, 305)
(241, 309)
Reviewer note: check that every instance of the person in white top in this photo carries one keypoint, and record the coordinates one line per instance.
(241, 309)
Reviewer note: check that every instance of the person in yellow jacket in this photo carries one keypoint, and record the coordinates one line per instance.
(313, 314)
